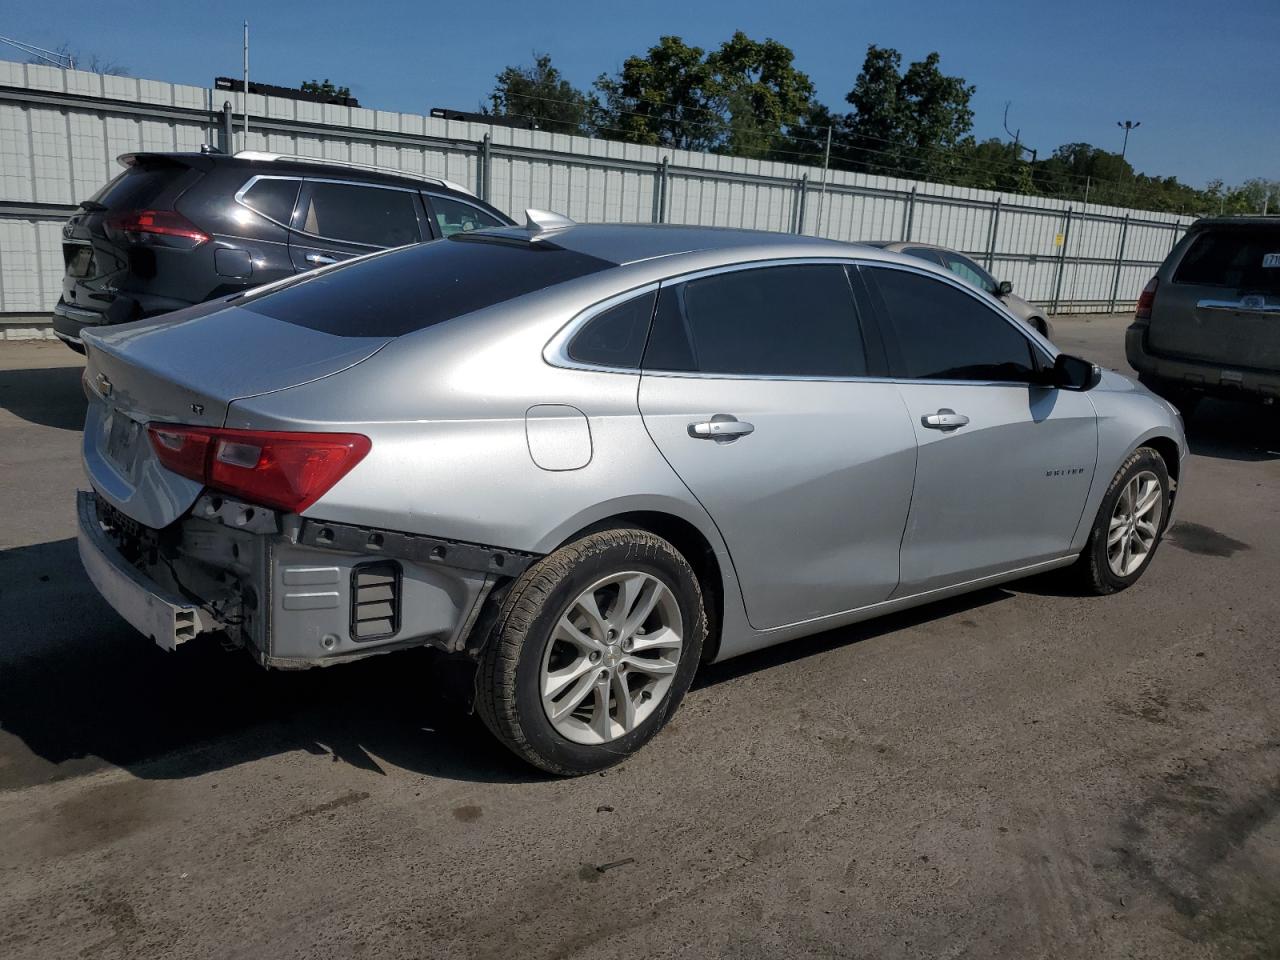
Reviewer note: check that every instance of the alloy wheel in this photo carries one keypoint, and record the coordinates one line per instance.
(1135, 524)
(611, 657)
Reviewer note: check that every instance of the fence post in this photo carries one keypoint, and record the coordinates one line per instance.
(802, 187)
(991, 237)
(485, 185)
(660, 192)
(1177, 225)
(228, 134)
(1062, 260)
(911, 213)
(1115, 281)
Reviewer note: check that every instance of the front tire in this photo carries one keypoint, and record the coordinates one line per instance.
(1129, 524)
(593, 649)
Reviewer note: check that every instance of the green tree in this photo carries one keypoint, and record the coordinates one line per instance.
(907, 124)
(759, 92)
(993, 165)
(325, 88)
(668, 97)
(540, 93)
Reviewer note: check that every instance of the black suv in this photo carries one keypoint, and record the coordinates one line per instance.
(180, 228)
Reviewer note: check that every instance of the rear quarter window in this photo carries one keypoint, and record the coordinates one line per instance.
(1233, 257)
(419, 286)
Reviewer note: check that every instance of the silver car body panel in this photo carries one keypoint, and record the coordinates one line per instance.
(483, 432)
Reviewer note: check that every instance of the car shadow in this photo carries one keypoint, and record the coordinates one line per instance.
(80, 690)
(1230, 430)
(48, 396)
(802, 647)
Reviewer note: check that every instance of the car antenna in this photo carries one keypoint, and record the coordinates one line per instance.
(544, 221)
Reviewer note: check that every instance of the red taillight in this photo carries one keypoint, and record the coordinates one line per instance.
(1147, 300)
(286, 470)
(156, 227)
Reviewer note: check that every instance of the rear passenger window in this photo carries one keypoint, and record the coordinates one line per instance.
(615, 337)
(274, 199)
(785, 321)
(373, 216)
(946, 334)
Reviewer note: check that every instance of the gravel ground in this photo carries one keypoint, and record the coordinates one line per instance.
(1022, 772)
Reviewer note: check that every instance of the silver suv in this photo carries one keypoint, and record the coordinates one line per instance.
(590, 458)
(1208, 323)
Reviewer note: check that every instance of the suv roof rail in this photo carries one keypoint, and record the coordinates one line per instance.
(354, 165)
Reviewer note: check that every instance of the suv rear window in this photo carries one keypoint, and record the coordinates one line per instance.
(139, 186)
(422, 285)
(1233, 257)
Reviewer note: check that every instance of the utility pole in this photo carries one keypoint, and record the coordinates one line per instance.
(822, 195)
(245, 144)
(1127, 125)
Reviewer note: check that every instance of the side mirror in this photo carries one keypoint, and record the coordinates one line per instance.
(1004, 288)
(1073, 373)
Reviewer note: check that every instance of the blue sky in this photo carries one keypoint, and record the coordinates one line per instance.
(1203, 79)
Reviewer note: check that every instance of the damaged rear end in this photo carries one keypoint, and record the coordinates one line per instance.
(192, 528)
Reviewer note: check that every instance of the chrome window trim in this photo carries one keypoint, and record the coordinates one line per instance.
(555, 353)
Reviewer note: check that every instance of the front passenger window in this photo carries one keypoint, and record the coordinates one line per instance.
(943, 333)
(454, 216)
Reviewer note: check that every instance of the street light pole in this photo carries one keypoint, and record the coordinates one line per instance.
(1127, 125)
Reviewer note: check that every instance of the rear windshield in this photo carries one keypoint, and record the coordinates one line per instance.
(139, 186)
(421, 285)
(1246, 259)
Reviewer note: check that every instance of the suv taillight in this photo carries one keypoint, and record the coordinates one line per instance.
(1147, 300)
(274, 468)
(157, 228)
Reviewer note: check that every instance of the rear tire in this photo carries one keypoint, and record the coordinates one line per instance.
(593, 649)
(1129, 525)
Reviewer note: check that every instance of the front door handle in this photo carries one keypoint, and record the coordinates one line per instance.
(944, 419)
(722, 428)
(319, 259)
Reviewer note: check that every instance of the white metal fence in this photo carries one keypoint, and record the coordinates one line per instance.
(61, 130)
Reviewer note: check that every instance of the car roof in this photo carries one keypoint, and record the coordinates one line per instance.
(302, 166)
(629, 243)
(1250, 220)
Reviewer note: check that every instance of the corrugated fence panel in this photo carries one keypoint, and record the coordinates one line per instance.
(61, 130)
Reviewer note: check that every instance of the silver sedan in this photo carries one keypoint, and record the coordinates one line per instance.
(590, 458)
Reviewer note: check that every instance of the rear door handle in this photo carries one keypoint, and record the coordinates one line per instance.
(722, 428)
(319, 259)
(944, 419)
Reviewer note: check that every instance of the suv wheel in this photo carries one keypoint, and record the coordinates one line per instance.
(1129, 524)
(592, 651)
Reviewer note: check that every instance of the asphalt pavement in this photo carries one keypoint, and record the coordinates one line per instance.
(1023, 772)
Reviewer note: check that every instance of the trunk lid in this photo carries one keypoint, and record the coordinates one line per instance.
(1222, 302)
(188, 367)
